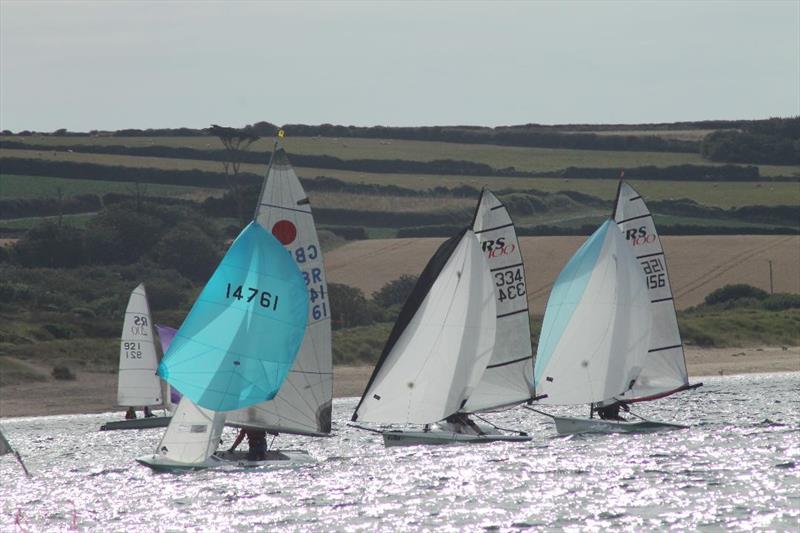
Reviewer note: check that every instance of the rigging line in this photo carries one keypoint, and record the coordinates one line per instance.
(521, 433)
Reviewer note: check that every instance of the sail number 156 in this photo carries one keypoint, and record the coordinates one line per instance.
(265, 299)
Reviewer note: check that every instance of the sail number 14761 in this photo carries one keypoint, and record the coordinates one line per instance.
(264, 298)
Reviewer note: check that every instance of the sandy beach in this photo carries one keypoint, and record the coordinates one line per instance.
(96, 392)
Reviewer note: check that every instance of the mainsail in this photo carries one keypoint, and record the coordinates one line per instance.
(507, 380)
(596, 328)
(441, 343)
(241, 337)
(664, 369)
(303, 404)
(138, 384)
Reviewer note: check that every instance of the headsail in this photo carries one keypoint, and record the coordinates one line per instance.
(508, 379)
(664, 370)
(138, 384)
(441, 343)
(238, 342)
(303, 404)
(596, 325)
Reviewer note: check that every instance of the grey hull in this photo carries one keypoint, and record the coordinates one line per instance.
(573, 426)
(415, 438)
(233, 460)
(137, 423)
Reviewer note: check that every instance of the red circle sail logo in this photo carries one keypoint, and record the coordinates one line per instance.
(284, 231)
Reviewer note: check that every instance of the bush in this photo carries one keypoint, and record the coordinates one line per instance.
(735, 292)
(781, 301)
(349, 307)
(63, 373)
(193, 254)
(395, 292)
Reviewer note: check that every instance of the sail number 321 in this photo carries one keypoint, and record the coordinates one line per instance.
(264, 298)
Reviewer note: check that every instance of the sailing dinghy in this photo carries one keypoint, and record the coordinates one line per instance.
(303, 403)
(138, 385)
(234, 349)
(437, 351)
(596, 333)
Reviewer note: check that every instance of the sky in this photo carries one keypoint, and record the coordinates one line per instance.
(111, 65)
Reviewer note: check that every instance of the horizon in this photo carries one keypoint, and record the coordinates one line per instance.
(88, 66)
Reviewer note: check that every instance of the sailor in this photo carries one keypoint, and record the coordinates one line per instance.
(257, 442)
(611, 412)
(147, 412)
(461, 423)
(130, 414)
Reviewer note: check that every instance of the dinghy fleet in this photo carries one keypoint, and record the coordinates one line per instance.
(255, 353)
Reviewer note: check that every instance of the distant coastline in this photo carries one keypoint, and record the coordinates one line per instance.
(96, 392)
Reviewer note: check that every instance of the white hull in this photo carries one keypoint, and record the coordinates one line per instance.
(415, 438)
(573, 426)
(228, 460)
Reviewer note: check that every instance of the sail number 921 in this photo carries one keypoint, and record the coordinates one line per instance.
(266, 299)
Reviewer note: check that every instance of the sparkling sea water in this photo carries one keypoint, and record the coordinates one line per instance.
(736, 468)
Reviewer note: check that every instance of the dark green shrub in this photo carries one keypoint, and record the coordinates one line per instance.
(735, 292)
(781, 301)
(395, 292)
(63, 373)
(59, 331)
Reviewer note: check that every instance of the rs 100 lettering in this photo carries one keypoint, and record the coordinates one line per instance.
(264, 298)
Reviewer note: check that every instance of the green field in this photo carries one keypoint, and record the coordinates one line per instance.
(718, 194)
(12, 186)
(521, 158)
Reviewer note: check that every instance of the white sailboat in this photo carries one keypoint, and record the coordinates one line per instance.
(5, 448)
(664, 369)
(138, 385)
(234, 349)
(438, 349)
(303, 404)
(596, 333)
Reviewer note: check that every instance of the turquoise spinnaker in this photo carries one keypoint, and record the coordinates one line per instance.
(237, 344)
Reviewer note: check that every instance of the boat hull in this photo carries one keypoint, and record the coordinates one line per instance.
(226, 459)
(574, 426)
(137, 423)
(416, 438)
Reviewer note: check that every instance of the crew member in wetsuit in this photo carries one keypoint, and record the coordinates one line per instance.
(459, 422)
(611, 412)
(256, 441)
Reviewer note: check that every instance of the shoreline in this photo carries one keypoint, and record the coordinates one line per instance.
(93, 392)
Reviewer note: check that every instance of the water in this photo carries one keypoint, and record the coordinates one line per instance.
(737, 468)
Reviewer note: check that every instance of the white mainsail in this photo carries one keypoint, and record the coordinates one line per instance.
(192, 435)
(508, 379)
(596, 328)
(303, 404)
(664, 370)
(138, 384)
(441, 343)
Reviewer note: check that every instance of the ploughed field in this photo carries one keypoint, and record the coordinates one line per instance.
(697, 264)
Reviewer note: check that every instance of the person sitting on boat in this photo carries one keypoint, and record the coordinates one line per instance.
(257, 442)
(461, 423)
(611, 412)
(147, 412)
(130, 414)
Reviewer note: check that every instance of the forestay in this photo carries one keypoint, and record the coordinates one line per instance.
(508, 379)
(192, 435)
(303, 404)
(596, 326)
(240, 338)
(138, 384)
(664, 369)
(441, 343)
